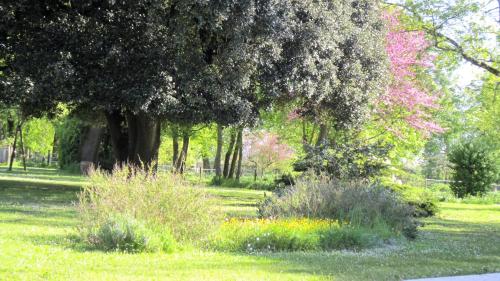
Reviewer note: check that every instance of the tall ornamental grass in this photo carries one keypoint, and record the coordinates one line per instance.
(123, 206)
(355, 204)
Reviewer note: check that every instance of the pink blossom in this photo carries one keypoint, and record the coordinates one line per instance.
(407, 51)
(264, 149)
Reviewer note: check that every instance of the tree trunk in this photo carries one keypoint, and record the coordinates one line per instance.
(10, 126)
(304, 134)
(229, 151)
(118, 133)
(206, 163)
(143, 139)
(89, 148)
(240, 158)
(235, 154)
(323, 134)
(181, 161)
(23, 152)
(13, 154)
(175, 145)
(218, 153)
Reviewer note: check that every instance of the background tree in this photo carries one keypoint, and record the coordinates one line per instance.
(39, 136)
(264, 150)
(473, 170)
(461, 29)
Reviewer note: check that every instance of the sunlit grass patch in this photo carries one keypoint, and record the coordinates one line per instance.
(270, 235)
(256, 235)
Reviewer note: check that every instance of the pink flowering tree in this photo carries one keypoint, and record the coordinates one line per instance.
(406, 99)
(263, 150)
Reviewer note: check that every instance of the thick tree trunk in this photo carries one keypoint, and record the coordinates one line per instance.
(13, 154)
(89, 148)
(323, 134)
(235, 154)
(229, 151)
(218, 153)
(143, 139)
(175, 145)
(135, 138)
(118, 133)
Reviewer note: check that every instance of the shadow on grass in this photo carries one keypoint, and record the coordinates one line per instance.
(42, 174)
(14, 192)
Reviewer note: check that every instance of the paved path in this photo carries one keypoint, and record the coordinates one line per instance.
(482, 277)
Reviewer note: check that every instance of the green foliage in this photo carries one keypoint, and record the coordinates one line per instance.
(126, 234)
(38, 135)
(473, 170)
(423, 201)
(345, 159)
(356, 204)
(68, 133)
(284, 180)
(162, 200)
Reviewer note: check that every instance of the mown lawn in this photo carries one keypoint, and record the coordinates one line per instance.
(38, 220)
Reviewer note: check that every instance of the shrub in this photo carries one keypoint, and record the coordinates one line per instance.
(162, 200)
(473, 170)
(423, 201)
(356, 204)
(284, 180)
(127, 234)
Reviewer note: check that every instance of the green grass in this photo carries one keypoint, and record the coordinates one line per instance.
(38, 220)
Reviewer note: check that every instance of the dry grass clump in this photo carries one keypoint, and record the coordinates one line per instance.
(162, 202)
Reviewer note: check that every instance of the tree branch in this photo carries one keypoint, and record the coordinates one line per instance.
(459, 49)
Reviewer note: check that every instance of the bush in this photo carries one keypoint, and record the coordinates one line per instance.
(356, 204)
(423, 201)
(284, 180)
(129, 235)
(163, 201)
(473, 170)
(253, 235)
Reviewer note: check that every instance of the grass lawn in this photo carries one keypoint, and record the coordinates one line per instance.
(38, 219)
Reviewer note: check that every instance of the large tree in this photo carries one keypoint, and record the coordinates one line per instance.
(332, 60)
(110, 56)
(141, 62)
